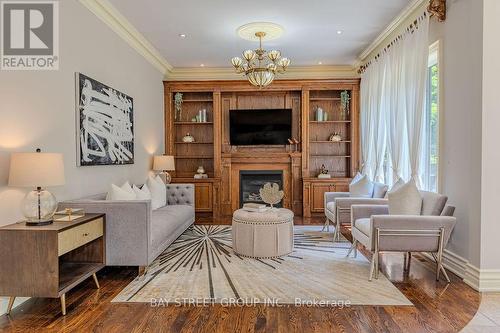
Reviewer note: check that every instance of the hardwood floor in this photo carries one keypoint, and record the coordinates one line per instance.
(438, 307)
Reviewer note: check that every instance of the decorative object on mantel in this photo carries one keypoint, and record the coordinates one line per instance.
(188, 138)
(37, 170)
(164, 163)
(335, 137)
(178, 106)
(257, 69)
(271, 194)
(319, 114)
(105, 124)
(437, 8)
(344, 101)
(200, 173)
(294, 143)
(323, 173)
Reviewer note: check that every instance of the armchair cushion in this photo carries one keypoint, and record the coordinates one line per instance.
(362, 188)
(363, 225)
(379, 190)
(432, 203)
(406, 200)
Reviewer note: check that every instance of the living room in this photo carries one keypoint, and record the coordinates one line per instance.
(284, 166)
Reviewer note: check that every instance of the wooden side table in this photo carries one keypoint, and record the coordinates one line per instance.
(50, 260)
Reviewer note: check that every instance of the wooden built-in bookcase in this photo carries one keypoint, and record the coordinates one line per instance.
(217, 195)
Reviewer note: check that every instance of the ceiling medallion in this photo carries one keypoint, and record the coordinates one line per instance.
(259, 66)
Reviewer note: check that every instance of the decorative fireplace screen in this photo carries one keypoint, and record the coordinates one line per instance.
(252, 181)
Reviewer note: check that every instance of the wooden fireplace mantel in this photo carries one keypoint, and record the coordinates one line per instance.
(219, 194)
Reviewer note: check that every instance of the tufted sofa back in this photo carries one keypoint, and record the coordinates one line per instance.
(180, 194)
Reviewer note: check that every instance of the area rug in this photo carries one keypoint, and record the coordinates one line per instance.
(200, 267)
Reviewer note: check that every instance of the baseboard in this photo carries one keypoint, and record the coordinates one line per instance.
(482, 280)
(4, 301)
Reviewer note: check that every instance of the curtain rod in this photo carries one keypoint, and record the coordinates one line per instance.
(436, 8)
(409, 30)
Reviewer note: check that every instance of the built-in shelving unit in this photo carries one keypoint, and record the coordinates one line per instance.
(335, 156)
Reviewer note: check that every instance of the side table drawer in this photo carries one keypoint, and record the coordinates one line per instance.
(75, 237)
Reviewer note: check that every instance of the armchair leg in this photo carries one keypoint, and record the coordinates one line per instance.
(372, 268)
(354, 247)
(407, 262)
(326, 226)
(376, 253)
(440, 268)
(336, 234)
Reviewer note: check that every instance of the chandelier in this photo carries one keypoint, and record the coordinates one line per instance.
(260, 66)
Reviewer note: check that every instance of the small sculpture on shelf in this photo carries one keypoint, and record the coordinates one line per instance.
(344, 101)
(271, 194)
(188, 138)
(335, 137)
(178, 106)
(323, 173)
(294, 143)
(200, 173)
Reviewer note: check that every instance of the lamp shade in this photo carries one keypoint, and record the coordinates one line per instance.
(163, 162)
(36, 170)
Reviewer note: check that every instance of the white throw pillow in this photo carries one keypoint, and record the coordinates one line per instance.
(118, 193)
(356, 178)
(406, 200)
(362, 188)
(397, 185)
(142, 193)
(158, 192)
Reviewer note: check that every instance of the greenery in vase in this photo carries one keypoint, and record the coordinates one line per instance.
(344, 100)
(178, 106)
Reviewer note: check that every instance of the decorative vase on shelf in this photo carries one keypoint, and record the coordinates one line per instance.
(319, 114)
(178, 106)
(344, 102)
(188, 138)
(200, 173)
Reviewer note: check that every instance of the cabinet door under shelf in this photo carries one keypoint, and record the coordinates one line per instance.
(203, 197)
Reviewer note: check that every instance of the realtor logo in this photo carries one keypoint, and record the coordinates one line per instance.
(30, 35)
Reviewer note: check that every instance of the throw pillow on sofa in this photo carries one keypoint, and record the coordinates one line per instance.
(158, 192)
(363, 188)
(120, 193)
(406, 200)
(142, 193)
(356, 178)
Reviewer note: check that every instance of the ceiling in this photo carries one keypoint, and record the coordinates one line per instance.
(210, 27)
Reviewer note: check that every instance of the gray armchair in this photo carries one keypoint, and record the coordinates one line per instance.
(377, 231)
(338, 206)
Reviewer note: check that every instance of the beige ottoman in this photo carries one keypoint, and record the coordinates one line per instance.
(263, 235)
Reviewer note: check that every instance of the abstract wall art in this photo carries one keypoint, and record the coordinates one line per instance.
(105, 124)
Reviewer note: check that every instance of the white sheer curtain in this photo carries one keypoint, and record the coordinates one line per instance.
(393, 108)
(372, 126)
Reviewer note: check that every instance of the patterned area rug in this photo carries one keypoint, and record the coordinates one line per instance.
(201, 267)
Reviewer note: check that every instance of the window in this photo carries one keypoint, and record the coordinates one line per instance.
(431, 148)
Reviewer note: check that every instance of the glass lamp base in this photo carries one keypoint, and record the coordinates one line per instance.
(38, 207)
(38, 223)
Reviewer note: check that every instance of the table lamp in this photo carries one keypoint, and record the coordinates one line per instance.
(37, 170)
(164, 163)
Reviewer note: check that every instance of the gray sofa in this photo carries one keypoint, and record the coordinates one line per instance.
(135, 234)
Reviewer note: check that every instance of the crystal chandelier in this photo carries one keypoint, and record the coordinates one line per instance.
(260, 66)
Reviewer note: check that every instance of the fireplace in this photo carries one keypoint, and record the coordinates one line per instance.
(251, 181)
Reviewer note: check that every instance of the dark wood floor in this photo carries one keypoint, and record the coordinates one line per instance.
(438, 307)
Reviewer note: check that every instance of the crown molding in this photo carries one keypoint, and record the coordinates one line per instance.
(394, 25)
(228, 73)
(119, 24)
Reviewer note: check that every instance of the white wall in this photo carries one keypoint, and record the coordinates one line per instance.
(461, 46)
(37, 108)
(490, 189)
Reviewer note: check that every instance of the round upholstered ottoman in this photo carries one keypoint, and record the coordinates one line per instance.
(263, 235)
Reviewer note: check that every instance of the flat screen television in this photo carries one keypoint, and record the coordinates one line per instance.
(260, 127)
